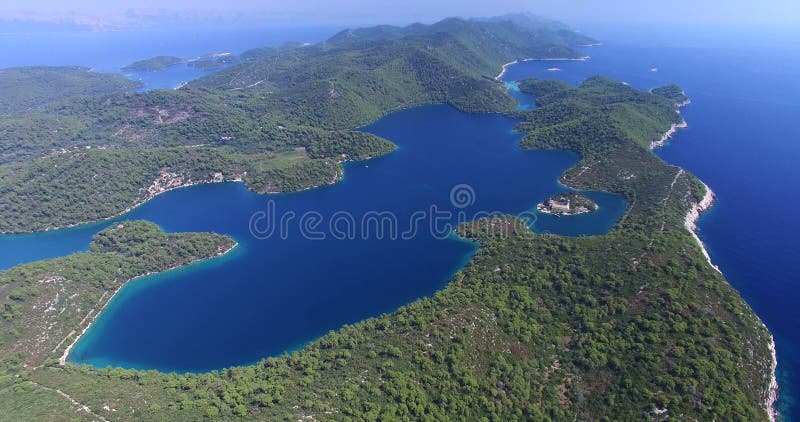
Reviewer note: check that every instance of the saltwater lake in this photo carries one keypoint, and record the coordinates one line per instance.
(270, 296)
(274, 294)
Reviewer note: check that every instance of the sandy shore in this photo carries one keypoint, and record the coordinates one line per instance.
(63, 359)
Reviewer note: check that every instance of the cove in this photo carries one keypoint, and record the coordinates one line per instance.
(274, 295)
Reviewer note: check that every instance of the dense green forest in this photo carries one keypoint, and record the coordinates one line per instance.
(632, 325)
(28, 88)
(671, 92)
(627, 326)
(89, 185)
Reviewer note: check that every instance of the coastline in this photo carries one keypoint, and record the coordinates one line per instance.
(690, 222)
(63, 359)
(505, 67)
(554, 59)
(669, 133)
(138, 203)
(132, 207)
(772, 392)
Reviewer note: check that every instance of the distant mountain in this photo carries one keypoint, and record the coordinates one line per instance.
(548, 31)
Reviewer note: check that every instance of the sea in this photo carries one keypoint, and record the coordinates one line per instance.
(272, 295)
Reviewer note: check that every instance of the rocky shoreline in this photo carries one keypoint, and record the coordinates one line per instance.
(668, 135)
(690, 222)
(772, 392)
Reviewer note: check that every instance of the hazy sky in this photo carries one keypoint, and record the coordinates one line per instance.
(722, 12)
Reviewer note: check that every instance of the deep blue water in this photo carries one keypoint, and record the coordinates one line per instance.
(276, 294)
(317, 285)
(742, 141)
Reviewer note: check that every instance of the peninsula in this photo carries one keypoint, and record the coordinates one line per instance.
(47, 303)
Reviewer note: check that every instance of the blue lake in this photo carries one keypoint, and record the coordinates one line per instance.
(276, 294)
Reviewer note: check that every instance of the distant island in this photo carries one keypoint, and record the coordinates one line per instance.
(153, 64)
(567, 204)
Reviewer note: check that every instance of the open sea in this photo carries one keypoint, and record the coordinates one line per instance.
(274, 295)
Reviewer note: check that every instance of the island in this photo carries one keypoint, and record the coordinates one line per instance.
(567, 204)
(153, 64)
(632, 325)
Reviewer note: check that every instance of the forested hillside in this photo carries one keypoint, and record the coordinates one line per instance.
(28, 88)
(246, 118)
(633, 325)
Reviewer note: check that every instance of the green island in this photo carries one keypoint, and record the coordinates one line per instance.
(632, 325)
(570, 203)
(152, 64)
